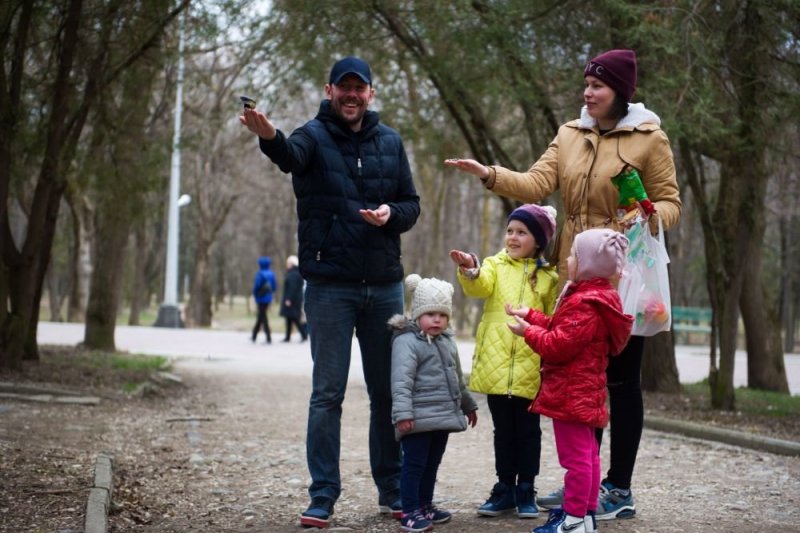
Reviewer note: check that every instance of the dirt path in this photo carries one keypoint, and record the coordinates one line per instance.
(226, 453)
(244, 470)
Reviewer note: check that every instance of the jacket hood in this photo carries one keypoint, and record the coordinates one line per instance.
(637, 115)
(602, 295)
(264, 262)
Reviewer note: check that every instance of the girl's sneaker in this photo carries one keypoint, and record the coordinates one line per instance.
(415, 522)
(502, 500)
(590, 522)
(436, 515)
(526, 501)
(561, 522)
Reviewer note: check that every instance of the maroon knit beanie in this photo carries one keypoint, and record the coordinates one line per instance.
(540, 221)
(617, 69)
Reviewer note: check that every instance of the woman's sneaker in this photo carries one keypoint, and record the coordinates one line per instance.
(614, 503)
(500, 501)
(554, 500)
(436, 515)
(415, 522)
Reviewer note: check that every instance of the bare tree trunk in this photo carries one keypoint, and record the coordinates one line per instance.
(101, 314)
(659, 371)
(81, 255)
(790, 236)
(54, 296)
(765, 366)
(199, 308)
(24, 267)
(139, 291)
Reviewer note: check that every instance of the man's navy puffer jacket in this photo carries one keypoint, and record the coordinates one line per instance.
(336, 172)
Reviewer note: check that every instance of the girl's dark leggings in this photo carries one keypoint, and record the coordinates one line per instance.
(517, 439)
(626, 412)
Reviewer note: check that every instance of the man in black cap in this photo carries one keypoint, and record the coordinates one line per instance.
(355, 196)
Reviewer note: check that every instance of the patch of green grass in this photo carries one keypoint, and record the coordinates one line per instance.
(118, 361)
(752, 401)
(139, 362)
(130, 386)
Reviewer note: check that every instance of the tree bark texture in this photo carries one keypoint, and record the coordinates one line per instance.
(82, 213)
(659, 370)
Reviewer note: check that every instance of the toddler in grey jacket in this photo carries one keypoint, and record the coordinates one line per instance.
(429, 396)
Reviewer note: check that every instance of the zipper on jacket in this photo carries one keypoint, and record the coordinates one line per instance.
(514, 339)
(325, 238)
(358, 162)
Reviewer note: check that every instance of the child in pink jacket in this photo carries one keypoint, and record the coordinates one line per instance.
(587, 326)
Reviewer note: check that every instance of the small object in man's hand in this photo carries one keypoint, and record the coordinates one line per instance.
(248, 102)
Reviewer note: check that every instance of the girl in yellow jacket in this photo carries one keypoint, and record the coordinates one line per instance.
(504, 368)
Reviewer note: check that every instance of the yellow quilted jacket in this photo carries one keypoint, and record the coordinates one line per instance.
(503, 363)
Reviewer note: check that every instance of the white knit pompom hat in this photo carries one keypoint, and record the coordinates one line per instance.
(431, 295)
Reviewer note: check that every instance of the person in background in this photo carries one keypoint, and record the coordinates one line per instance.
(611, 135)
(504, 368)
(355, 197)
(292, 299)
(263, 286)
(429, 396)
(588, 325)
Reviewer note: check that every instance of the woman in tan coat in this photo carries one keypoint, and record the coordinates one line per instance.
(611, 135)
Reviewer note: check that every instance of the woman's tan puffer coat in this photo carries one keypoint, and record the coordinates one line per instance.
(580, 164)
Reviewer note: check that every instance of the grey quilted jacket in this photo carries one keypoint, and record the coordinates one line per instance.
(427, 384)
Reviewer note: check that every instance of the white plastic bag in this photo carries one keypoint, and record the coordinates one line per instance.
(644, 285)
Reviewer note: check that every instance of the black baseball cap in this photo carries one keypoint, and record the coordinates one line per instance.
(350, 65)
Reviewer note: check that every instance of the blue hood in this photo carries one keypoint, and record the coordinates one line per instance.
(264, 262)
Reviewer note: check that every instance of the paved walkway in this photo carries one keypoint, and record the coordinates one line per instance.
(233, 349)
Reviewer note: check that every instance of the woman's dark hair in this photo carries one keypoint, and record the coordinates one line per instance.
(619, 107)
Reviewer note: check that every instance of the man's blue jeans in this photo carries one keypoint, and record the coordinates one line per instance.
(333, 311)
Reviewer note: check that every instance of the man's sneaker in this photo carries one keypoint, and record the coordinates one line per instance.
(391, 506)
(436, 515)
(554, 500)
(590, 522)
(561, 522)
(526, 501)
(500, 501)
(415, 522)
(318, 514)
(614, 503)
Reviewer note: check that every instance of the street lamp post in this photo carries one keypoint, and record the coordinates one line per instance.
(169, 315)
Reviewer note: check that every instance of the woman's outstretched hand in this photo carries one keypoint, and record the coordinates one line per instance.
(469, 165)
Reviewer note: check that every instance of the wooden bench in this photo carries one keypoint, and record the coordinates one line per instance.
(690, 321)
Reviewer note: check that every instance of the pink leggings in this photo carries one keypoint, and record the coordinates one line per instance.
(577, 452)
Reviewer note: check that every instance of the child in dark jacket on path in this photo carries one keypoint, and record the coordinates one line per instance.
(429, 397)
(588, 325)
